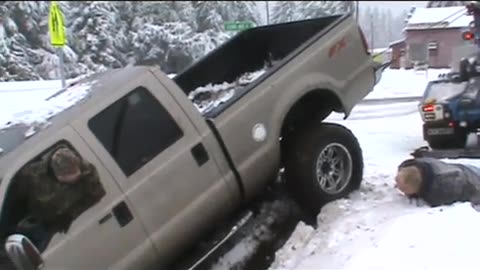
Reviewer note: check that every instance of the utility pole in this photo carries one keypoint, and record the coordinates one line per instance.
(474, 9)
(371, 32)
(268, 12)
(357, 10)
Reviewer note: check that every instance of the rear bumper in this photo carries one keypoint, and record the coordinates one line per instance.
(441, 128)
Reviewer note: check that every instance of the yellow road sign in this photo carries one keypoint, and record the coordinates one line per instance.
(56, 26)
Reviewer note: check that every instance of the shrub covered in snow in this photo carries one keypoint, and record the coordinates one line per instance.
(110, 34)
(287, 11)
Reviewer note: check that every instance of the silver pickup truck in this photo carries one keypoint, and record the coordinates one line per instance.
(175, 158)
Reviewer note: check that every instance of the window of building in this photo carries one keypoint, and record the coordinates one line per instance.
(433, 45)
(135, 129)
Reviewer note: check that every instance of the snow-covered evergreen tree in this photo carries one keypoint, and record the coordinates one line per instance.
(208, 15)
(21, 34)
(96, 35)
(433, 4)
(287, 11)
(214, 14)
(335, 7)
(381, 26)
(240, 11)
(108, 34)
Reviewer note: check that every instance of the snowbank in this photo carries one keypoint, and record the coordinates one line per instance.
(391, 235)
(403, 83)
(439, 238)
(36, 107)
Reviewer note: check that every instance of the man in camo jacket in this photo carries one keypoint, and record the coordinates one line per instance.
(437, 182)
(56, 190)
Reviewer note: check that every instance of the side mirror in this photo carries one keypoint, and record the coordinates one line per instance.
(23, 253)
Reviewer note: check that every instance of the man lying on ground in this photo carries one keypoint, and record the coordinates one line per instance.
(437, 182)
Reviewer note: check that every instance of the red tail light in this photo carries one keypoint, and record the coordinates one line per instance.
(364, 40)
(468, 35)
(451, 124)
(428, 108)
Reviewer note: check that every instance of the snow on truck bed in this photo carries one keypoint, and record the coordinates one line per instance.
(208, 97)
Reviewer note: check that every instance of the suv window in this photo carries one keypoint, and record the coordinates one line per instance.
(135, 129)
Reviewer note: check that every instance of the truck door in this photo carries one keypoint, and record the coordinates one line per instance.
(101, 237)
(160, 162)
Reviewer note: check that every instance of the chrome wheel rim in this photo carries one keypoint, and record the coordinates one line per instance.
(334, 168)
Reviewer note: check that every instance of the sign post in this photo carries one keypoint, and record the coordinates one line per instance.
(238, 26)
(58, 35)
(473, 8)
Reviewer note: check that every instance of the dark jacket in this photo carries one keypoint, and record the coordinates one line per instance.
(49, 200)
(446, 183)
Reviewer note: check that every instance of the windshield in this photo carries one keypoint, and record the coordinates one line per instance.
(440, 91)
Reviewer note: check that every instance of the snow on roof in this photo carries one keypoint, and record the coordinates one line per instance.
(443, 17)
(396, 42)
(381, 50)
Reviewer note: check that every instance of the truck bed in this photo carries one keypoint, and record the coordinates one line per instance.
(230, 71)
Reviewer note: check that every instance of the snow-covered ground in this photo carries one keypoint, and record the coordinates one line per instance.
(376, 228)
(403, 83)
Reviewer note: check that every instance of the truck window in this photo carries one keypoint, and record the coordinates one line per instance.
(135, 129)
(49, 193)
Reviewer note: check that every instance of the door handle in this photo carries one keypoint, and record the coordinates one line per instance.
(106, 218)
(122, 214)
(200, 154)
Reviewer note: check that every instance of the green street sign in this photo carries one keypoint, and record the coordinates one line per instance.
(238, 26)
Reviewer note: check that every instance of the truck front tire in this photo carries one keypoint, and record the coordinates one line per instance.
(323, 162)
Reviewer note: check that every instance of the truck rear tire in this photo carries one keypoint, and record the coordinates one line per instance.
(323, 162)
